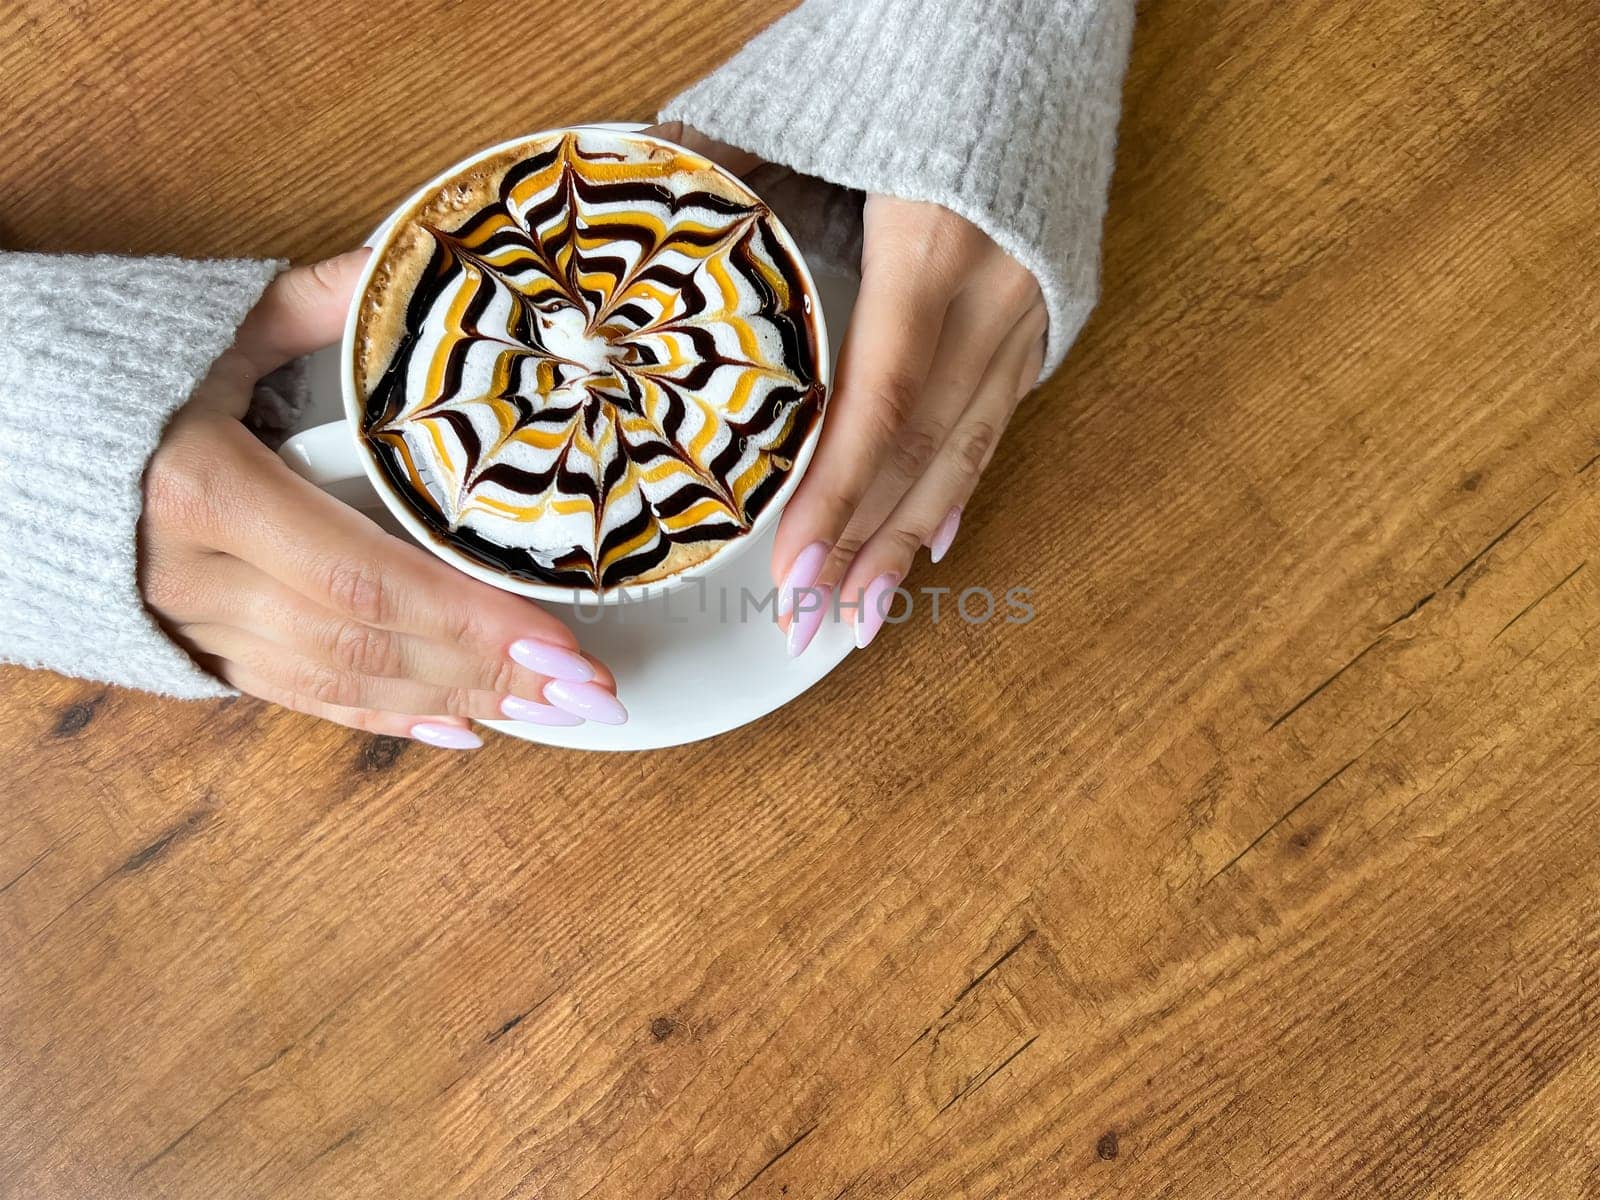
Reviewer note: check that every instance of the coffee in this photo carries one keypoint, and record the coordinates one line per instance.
(590, 360)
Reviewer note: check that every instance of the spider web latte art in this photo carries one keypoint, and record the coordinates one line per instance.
(590, 361)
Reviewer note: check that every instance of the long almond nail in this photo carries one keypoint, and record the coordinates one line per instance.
(875, 602)
(943, 536)
(446, 737)
(556, 662)
(587, 700)
(535, 713)
(808, 619)
(807, 566)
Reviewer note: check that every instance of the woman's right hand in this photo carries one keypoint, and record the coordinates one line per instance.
(289, 595)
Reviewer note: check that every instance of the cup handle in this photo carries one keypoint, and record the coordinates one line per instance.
(323, 455)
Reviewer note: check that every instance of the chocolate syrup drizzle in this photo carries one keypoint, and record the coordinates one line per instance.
(537, 255)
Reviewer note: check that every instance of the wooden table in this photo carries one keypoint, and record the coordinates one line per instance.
(1263, 863)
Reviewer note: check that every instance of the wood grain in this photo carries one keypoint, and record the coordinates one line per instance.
(1261, 864)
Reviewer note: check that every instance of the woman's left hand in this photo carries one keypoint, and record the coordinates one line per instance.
(947, 336)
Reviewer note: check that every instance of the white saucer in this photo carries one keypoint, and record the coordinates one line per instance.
(684, 670)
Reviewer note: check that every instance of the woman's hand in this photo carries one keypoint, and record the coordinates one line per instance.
(287, 594)
(947, 336)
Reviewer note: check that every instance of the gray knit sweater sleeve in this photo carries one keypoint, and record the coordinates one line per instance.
(1004, 112)
(97, 353)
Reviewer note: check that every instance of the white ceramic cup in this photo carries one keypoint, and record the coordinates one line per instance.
(336, 452)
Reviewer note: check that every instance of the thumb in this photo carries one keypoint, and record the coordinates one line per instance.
(730, 158)
(302, 310)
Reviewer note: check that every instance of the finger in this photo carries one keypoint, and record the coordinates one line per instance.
(302, 310)
(730, 158)
(302, 675)
(948, 484)
(973, 331)
(884, 364)
(449, 733)
(343, 562)
(238, 594)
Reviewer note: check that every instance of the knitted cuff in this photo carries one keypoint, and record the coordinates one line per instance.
(99, 351)
(1003, 112)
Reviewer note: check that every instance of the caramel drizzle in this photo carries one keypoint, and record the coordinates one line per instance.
(621, 436)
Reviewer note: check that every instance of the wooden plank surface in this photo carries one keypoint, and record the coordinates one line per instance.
(1263, 863)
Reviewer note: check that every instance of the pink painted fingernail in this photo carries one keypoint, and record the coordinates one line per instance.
(446, 737)
(812, 607)
(875, 603)
(807, 566)
(535, 713)
(945, 534)
(555, 661)
(587, 700)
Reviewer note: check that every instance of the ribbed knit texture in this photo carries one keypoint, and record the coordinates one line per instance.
(1004, 112)
(97, 352)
